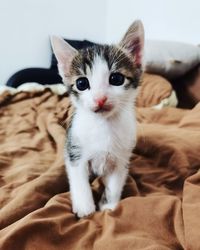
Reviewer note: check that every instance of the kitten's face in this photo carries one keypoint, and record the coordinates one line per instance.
(102, 79)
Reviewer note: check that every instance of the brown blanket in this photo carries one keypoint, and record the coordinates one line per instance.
(160, 206)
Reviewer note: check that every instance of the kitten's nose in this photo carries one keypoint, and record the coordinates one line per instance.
(101, 101)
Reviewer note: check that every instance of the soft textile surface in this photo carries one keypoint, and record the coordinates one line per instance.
(153, 90)
(160, 206)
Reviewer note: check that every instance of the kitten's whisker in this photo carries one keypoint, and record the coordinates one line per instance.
(118, 59)
(117, 56)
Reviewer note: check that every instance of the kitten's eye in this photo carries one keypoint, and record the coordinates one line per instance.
(82, 83)
(116, 79)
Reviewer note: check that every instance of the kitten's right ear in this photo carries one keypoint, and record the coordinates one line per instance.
(64, 54)
(133, 41)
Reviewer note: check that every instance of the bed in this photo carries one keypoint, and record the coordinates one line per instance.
(160, 205)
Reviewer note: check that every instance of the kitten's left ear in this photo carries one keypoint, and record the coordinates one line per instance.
(133, 42)
(64, 54)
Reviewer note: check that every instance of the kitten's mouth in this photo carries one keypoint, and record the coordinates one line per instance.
(103, 109)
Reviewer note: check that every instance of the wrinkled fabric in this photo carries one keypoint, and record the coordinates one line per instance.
(160, 205)
(153, 90)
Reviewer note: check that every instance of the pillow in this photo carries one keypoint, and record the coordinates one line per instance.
(74, 43)
(170, 59)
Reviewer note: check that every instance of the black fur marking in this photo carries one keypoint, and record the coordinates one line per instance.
(74, 153)
(72, 91)
(107, 56)
(124, 62)
(133, 83)
(85, 64)
(75, 93)
(76, 66)
(73, 149)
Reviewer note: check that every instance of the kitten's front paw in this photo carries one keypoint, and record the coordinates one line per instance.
(104, 206)
(83, 209)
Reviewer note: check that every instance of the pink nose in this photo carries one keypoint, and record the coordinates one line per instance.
(101, 101)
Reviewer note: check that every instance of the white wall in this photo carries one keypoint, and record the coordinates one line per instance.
(25, 25)
(177, 20)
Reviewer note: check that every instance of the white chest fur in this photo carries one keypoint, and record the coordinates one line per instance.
(105, 141)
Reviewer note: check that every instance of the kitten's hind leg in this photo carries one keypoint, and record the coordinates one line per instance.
(80, 190)
(114, 183)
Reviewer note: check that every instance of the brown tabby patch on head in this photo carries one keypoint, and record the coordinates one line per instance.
(117, 61)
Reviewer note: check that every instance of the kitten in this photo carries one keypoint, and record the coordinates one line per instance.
(102, 82)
